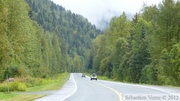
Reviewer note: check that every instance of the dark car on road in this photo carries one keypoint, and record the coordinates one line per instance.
(83, 75)
(93, 76)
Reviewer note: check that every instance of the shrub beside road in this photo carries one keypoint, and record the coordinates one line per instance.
(19, 88)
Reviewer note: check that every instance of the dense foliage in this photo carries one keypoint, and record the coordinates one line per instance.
(144, 50)
(75, 33)
(54, 44)
(39, 38)
(25, 48)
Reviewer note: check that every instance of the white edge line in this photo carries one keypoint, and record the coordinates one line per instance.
(72, 76)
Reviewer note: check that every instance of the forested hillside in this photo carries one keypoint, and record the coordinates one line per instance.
(144, 50)
(40, 39)
(74, 32)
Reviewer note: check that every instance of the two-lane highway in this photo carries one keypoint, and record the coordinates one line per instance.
(88, 90)
(102, 90)
(83, 89)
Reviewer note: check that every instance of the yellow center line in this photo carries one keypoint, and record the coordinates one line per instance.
(112, 89)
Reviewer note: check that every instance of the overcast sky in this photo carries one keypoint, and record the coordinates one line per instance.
(97, 10)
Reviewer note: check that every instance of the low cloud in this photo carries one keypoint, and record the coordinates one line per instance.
(98, 11)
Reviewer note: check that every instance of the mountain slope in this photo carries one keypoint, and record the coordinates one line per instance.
(74, 32)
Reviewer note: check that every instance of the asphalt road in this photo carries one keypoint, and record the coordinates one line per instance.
(83, 89)
(88, 90)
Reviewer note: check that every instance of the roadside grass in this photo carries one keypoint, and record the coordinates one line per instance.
(105, 78)
(53, 83)
(88, 74)
(18, 97)
(4, 95)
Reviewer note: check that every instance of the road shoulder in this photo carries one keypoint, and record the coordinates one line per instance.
(68, 89)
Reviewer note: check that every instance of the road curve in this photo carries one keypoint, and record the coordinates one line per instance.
(102, 90)
(66, 91)
(83, 89)
(88, 90)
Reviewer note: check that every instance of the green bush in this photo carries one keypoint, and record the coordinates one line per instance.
(13, 86)
(31, 82)
(17, 86)
(3, 87)
(44, 82)
(21, 87)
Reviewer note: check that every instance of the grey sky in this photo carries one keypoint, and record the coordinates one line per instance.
(96, 10)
